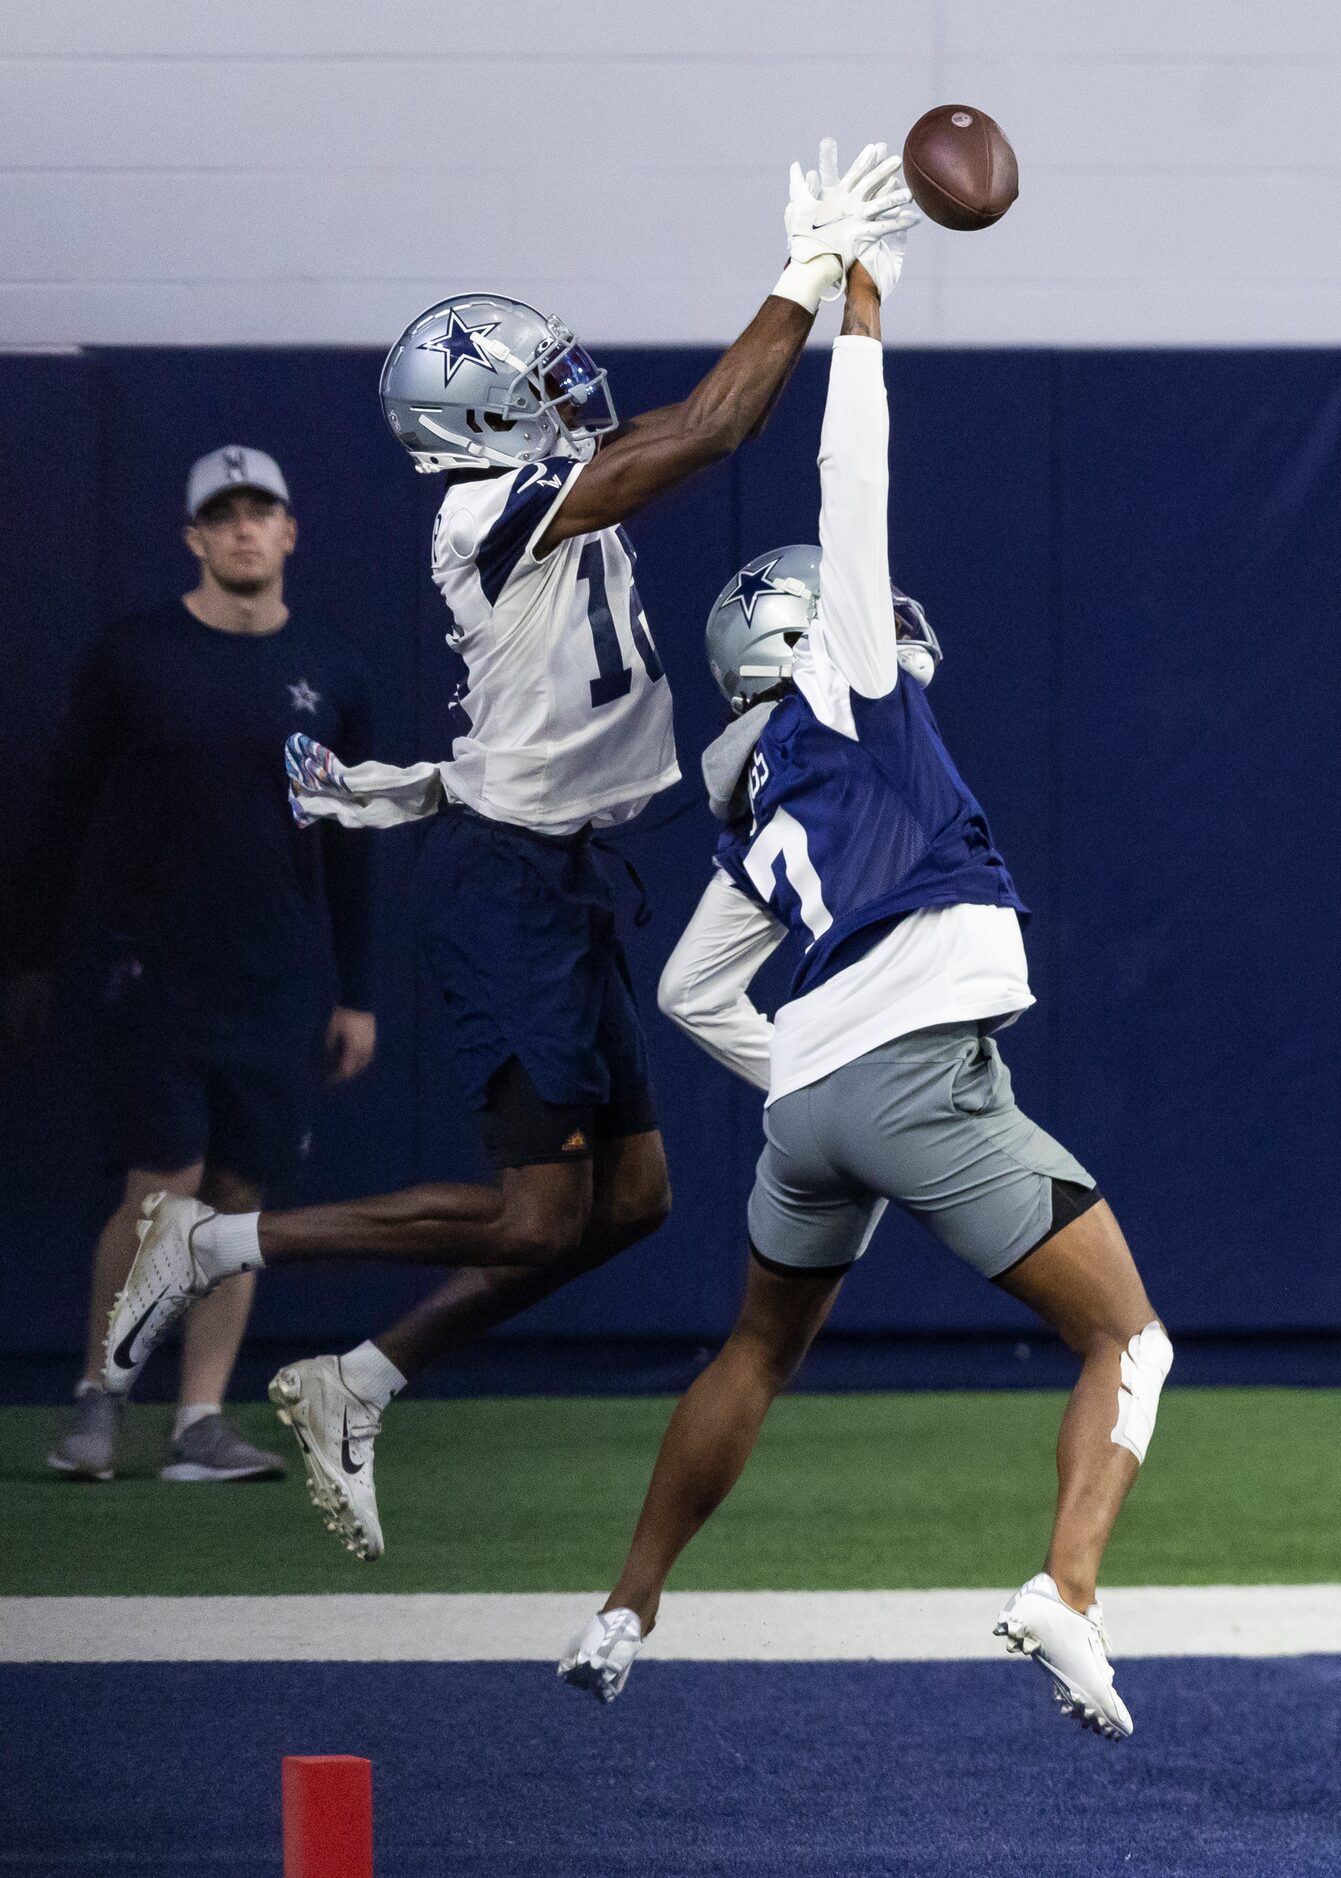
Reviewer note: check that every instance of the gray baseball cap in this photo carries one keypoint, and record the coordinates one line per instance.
(233, 467)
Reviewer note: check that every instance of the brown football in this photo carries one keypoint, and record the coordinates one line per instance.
(960, 168)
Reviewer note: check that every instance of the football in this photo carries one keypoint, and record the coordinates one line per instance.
(960, 167)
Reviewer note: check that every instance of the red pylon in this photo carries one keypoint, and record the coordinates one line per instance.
(327, 1816)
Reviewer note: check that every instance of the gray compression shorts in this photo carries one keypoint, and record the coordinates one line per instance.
(928, 1121)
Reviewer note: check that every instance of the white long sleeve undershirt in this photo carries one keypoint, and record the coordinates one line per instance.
(852, 644)
(703, 985)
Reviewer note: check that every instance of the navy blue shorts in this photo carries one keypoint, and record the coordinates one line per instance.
(518, 930)
(186, 1072)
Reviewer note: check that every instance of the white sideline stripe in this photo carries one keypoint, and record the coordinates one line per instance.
(714, 1626)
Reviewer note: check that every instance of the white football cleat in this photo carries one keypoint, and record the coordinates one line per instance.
(165, 1280)
(601, 1656)
(1073, 1648)
(335, 1430)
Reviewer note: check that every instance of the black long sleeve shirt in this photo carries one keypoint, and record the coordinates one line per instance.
(167, 825)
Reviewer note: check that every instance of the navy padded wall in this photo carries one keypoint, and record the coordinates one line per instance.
(1198, 570)
(1133, 561)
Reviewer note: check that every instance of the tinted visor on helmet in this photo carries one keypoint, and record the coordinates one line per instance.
(576, 389)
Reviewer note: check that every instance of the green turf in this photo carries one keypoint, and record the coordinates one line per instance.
(1242, 1486)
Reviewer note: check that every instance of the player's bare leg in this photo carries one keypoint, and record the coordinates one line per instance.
(533, 1221)
(716, 1424)
(531, 1216)
(710, 1437)
(1084, 1283)
(630, 1200)
(335, 1404)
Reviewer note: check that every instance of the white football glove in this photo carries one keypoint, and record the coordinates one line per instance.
(358, 795)
(826, 227)
(882, 258)
(846, 213)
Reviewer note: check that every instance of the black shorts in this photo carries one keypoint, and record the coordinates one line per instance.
(521, 1129)
(518, 930)
(187, 1072)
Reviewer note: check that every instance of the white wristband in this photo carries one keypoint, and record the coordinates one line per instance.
(809, 282)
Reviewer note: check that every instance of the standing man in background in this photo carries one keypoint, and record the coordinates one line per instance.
(214, 975)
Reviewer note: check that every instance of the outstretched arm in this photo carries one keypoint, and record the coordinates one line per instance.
(662, 448)
(665, 447)
(853, 644)
(854, 633)
(703, 985)
(861, 308)
(852, 647)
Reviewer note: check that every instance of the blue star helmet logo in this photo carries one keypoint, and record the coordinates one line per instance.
(459, 343)
(750, 586)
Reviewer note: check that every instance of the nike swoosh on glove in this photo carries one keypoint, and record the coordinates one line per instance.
(858, 208)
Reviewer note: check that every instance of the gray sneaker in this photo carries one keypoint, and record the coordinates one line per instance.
(211, 1449)
(87, 1449)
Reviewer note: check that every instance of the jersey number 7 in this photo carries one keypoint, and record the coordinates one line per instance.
(783, 837)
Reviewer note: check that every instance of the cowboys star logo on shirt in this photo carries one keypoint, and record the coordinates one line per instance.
(750, 586)
(302, 696)
(459, 343)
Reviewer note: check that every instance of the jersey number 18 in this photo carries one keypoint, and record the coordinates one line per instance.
(614, 677)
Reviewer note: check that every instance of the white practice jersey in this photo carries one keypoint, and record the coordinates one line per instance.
(568, 708)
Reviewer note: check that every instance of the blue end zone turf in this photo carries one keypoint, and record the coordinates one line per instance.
(942, 1770)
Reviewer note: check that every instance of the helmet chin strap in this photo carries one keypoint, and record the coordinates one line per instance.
(465, 452)
(799, 588)
(461, 446)
(914, 659)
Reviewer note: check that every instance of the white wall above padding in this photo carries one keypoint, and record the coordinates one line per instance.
(297, 172)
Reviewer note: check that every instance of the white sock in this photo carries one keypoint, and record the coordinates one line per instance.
(371, 1375)
(228, 1243)
(192, 1412)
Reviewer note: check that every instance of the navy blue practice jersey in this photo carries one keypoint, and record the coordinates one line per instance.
(850, 833)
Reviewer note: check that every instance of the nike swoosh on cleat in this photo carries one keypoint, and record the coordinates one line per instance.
(350, 1465)
(121, 1356)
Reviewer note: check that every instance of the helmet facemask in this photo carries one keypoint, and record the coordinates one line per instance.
(919, 649)
(567, 375)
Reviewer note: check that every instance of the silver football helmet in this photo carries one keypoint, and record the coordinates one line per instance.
(762, 612)
(483, 379)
